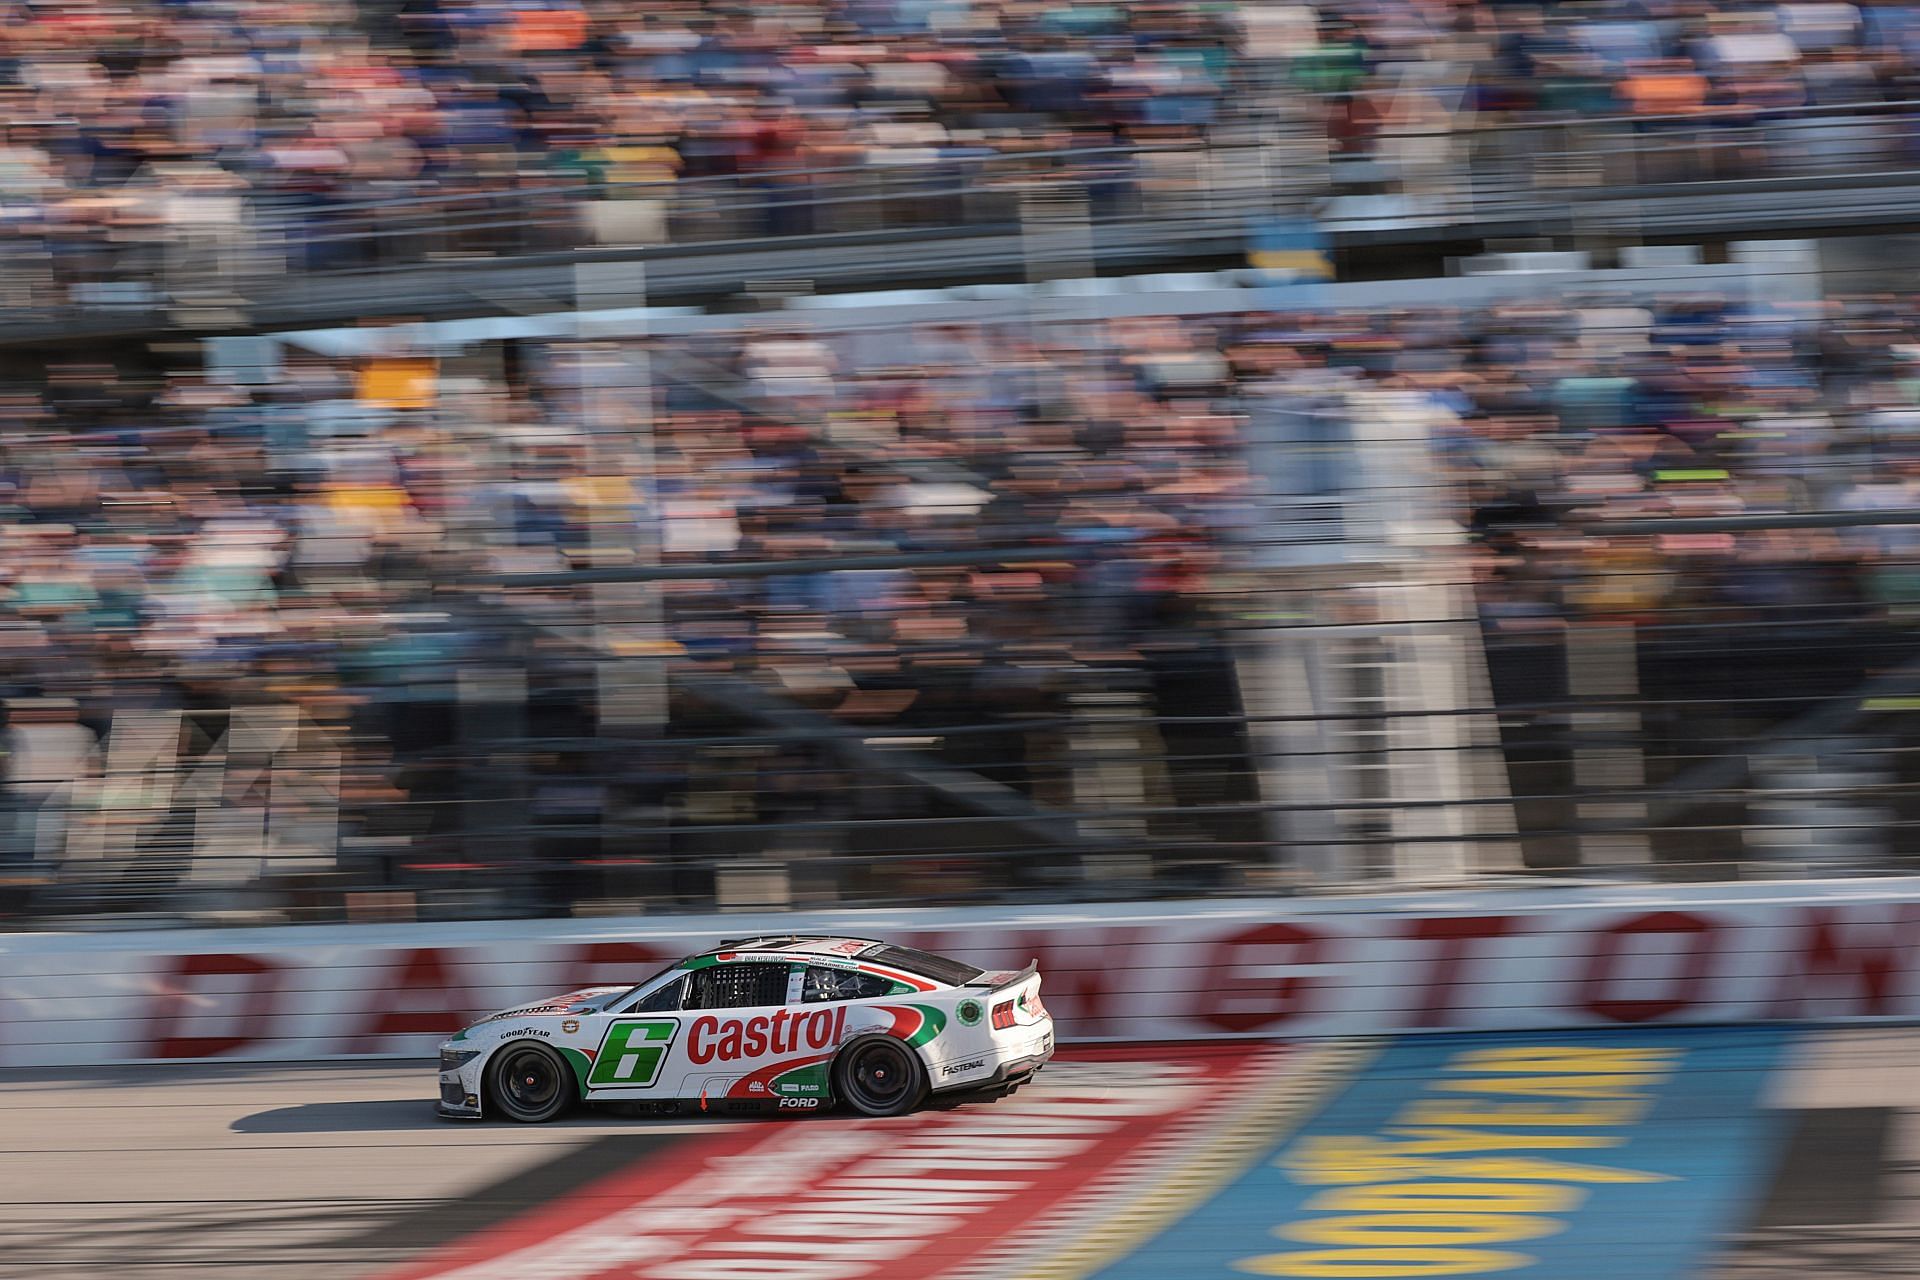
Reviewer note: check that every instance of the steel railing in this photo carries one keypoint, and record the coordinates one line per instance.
(1550, 172)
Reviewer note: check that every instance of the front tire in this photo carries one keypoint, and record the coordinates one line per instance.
(880, 1076)
(530, 1082)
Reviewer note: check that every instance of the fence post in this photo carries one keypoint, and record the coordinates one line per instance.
(1108, 745)
(1603, 662)
(615, 384)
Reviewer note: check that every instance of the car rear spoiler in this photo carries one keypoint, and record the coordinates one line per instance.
(1005, 977)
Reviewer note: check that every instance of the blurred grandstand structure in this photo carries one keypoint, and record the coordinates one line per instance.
(198, 252)
(464, 460)
(1153, 605)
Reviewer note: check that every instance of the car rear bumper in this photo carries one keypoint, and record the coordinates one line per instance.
(1020, 1070)
(1006, 1077)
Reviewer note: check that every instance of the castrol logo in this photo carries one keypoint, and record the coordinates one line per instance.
(728, 1039)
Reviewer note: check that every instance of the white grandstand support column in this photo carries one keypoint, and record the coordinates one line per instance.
(615, 384)
(1443, 758)
(1603, 663)
(1373, 717)
(1444, 742)
(1282, 670)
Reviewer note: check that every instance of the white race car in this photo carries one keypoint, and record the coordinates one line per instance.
(783, 1023)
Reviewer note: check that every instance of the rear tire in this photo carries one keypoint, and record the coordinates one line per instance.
(880, 1076)
(529, 1082)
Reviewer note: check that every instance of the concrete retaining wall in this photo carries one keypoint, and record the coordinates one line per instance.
(1493, 960)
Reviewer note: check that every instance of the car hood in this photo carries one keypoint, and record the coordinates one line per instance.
(587, 1000)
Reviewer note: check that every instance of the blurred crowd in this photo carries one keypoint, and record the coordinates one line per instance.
(137, 126)
(328, 536)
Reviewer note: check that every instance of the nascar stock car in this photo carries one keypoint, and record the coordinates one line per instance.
(780, 1023)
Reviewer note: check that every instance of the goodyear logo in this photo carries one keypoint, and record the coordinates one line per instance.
(1507, 1157)
(632, 1052)
(1509, 1147)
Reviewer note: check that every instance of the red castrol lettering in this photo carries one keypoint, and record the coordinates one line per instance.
(727, 1039)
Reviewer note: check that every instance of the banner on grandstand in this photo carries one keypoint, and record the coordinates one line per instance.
(1289, 251)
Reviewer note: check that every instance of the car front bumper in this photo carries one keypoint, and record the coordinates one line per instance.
(457, 1101)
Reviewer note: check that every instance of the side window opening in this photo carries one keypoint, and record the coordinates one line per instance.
(824, 983)
(737, 986)
(665, 1000)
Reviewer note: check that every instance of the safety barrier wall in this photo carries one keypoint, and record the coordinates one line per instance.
(1481, 960)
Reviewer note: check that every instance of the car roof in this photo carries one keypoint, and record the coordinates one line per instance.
(806, 944)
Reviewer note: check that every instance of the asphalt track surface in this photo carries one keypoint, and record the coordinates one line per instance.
(1779, 1153)
(244, 1171)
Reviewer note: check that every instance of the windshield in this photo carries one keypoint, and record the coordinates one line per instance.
(642, 986)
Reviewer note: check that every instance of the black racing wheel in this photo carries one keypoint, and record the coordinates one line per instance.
(880, 1076)
(530, 1082)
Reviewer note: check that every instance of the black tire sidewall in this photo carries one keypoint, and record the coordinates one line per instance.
(917, 1090)
(495, 1087)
